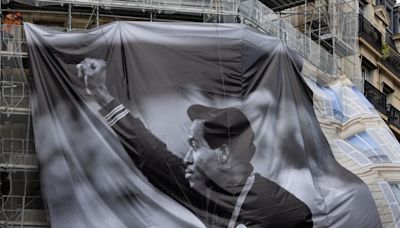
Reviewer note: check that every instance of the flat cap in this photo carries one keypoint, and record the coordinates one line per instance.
(227, 126)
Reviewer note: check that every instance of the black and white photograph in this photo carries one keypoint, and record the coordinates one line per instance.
(205, 127)
(200, 114)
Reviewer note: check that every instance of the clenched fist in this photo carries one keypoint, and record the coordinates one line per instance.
(93, 72)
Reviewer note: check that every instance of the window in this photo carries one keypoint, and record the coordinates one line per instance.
(366, 73)
(367, 69)
(336, 102)
(396, 20)
(390, 191)
(388, 91)
(395, 186)
(390, 14)
(365, 143)
(354, 154)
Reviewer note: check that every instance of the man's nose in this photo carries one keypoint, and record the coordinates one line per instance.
(188, 157)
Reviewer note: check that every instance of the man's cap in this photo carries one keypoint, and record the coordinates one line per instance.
(226, 126)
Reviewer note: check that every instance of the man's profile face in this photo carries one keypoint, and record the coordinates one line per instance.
(201, 160)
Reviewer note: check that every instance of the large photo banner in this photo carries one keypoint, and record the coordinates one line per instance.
(183, 125)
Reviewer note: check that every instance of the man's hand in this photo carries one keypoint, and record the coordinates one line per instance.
(93, 72)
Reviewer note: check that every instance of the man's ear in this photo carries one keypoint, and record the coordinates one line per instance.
(225, 153)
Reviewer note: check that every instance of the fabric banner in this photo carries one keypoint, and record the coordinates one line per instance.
(183, 125)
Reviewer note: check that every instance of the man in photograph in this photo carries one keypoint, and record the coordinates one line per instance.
(215, 179)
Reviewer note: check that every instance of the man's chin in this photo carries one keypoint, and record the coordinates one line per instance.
(193, 184)
(197, 185)
(195, 181)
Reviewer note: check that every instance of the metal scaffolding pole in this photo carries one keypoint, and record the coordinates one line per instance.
(69, 22)
(97, 16)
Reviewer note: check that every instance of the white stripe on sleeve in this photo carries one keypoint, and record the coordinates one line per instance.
(112, 112)
(118, 117)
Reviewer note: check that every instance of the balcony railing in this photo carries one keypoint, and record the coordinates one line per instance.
(369, 33)
(392, 61)
(394, 116)
(376, 97)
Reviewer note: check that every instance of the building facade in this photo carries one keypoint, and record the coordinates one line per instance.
(380, 58)
(345, 44)
(358, 111)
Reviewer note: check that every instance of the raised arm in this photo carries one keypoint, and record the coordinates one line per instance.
(164, 169)
(141, 144)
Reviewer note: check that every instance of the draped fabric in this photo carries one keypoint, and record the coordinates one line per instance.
(157, 71)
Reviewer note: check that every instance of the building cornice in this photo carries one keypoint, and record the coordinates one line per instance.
(387, 171)
(391, 75)
(369, 47)
(394, 129)
(354, 125)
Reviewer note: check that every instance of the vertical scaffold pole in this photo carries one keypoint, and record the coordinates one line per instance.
(69, 25)
(1, 37)
(305, 18)
(97, 16)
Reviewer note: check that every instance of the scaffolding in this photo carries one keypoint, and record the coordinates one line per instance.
(21, 202)
(333, 26)
(327, 45)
